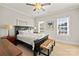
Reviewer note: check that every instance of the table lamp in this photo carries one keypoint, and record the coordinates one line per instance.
(8, 27)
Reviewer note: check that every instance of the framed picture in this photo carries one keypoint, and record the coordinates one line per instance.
(21, 22)
(51, 24)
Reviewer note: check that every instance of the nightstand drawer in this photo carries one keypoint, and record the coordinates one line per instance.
(12, 39)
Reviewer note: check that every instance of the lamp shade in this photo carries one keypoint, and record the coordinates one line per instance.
(8, 27)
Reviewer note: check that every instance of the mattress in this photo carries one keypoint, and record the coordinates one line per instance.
(30, 38)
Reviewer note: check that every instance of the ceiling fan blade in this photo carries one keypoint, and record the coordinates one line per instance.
(46, 4)
(34, 9)
(30, 4)
(43, 9)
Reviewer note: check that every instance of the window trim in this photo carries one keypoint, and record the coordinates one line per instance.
(68, 18)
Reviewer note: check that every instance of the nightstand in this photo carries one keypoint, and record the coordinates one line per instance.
(10, 38)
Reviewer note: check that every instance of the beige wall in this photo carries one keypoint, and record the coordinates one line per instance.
(8, 16)
(73, 36)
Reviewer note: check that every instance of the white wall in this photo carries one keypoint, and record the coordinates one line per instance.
(8, 16)
(73, 36)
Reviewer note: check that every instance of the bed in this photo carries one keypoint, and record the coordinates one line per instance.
(31, 39)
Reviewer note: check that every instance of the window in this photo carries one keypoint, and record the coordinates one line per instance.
(63, 26)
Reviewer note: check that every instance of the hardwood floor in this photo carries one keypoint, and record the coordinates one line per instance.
(60, 49)
(25, 50)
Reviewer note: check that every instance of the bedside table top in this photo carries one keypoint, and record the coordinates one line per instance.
(8, 49)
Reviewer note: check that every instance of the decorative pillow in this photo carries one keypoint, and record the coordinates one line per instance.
(25, 31)
(22, 31)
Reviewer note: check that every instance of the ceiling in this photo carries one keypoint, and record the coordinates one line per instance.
(28, 10)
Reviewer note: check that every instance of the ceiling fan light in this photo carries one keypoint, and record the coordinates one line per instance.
(38, 6)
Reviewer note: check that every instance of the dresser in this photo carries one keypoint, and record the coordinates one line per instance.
(9, 49)
(12, 39)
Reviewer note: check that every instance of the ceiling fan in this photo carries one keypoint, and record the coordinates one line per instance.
(38, 6)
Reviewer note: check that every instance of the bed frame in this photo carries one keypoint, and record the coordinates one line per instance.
(36, 42)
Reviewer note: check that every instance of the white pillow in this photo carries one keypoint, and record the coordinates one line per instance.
(25, 31)
(20, 31)
(30, 31)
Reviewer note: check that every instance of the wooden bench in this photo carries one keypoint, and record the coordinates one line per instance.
(47, 45)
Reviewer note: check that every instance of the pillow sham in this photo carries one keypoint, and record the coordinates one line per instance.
(25, 31)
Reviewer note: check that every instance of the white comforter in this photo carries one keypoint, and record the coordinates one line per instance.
(30, 37)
